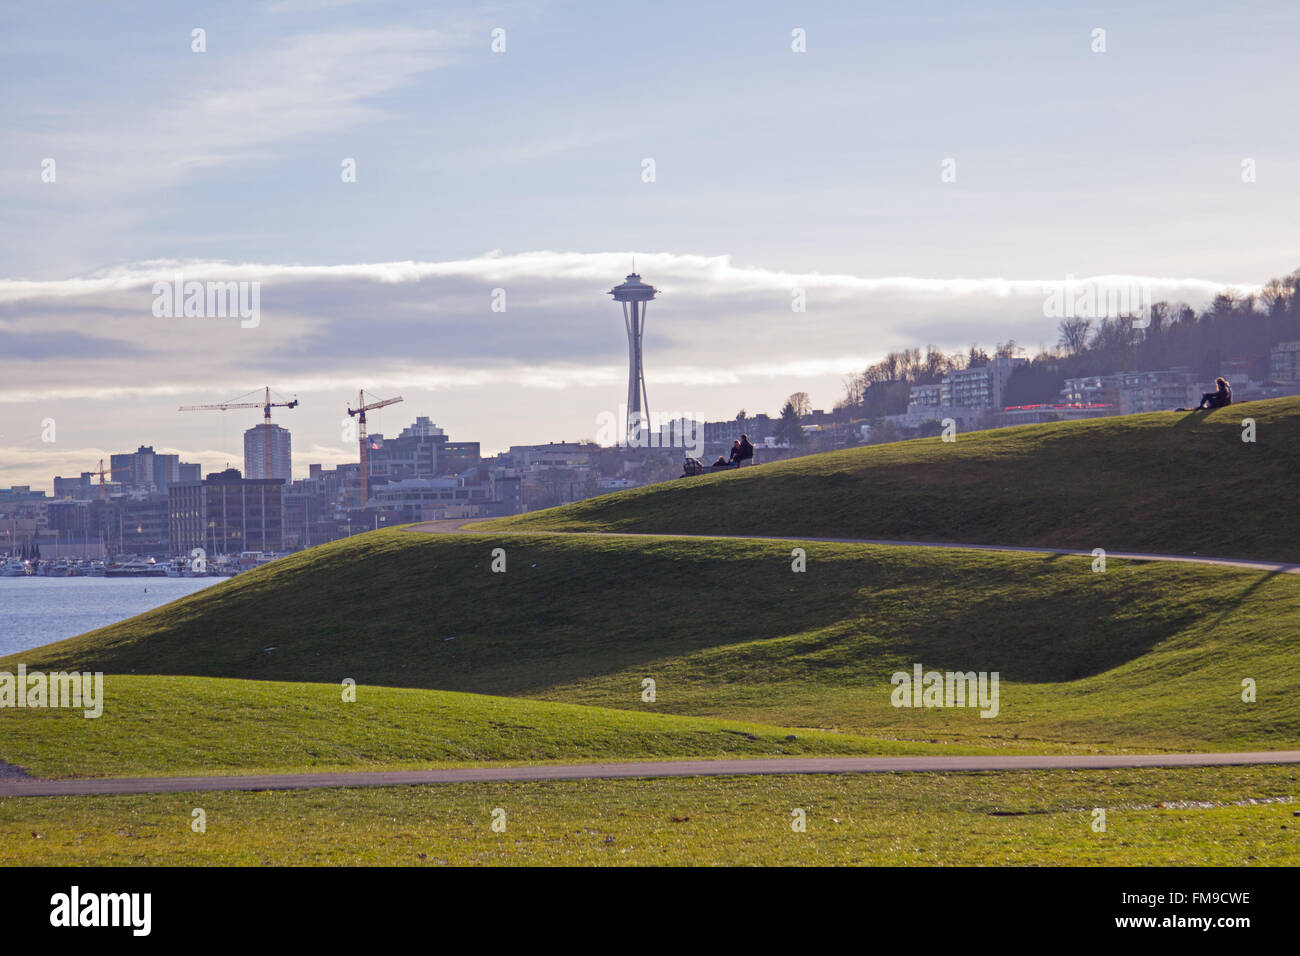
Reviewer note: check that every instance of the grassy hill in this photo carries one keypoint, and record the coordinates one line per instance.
(1142, 655)
(180, 726)
(1169, 482)
(546, 662)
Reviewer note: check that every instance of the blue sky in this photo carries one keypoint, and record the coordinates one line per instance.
(523, 170)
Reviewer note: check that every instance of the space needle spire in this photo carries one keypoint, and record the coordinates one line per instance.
(634, 295)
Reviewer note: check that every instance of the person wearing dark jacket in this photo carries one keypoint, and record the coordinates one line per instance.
(745, 451)
(1217, 399)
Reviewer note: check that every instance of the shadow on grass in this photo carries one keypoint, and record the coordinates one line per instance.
(395, 609)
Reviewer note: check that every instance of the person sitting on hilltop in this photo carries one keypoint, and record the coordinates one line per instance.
(721, 462)
(735, 453)
(744, 450)
(1217, 399)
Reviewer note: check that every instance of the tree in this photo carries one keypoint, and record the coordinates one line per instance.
(1157, 319)
(802, 404)
(884, 431)
(977, 357)
(788, 428)
(1074, 334)
(1038, 383)
(935, 366)
(1114, 336)
(854, 388)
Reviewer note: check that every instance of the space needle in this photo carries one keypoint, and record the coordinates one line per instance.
(634, 294)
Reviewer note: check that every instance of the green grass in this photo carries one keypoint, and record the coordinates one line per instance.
(245, 676)
(1166, 482)
(1029, 818)
(1143, 656)
(183, 726)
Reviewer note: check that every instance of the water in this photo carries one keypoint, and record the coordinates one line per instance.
(36, 610)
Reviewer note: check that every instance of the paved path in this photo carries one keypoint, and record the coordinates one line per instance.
(644, 769)
(461, 525)
(32, 787)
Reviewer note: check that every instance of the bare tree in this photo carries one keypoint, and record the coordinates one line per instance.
(936, 365)
(1114, 335)
(854, 387)
(1074, 334)
(801, 403)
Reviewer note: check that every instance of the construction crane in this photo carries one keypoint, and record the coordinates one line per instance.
(361, 410)
(101, 472)
(266, 405)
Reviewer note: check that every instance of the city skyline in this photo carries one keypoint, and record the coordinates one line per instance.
(434, 202)
(587, 393)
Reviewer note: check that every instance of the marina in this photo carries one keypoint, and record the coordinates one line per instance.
(134, 566)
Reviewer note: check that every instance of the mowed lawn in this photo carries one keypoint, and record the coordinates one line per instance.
(186, 726)
(1174, 483)
(1141, 656)
(1230, 816)
(552, 661)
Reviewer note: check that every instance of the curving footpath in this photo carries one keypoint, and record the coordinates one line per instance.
(24, 786)
(764, 766)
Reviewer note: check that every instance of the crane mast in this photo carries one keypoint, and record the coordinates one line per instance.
(360, 414)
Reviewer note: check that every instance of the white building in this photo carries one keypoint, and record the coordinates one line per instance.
(979, 387)
(1284, 362)
(1129, 392)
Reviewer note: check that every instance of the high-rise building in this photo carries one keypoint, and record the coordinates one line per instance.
(134, 468)
(148, 471)
(257, 441)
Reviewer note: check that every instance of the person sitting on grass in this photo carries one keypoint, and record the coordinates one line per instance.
(742, 451)
(1217, 399)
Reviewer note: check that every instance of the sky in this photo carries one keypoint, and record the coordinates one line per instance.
(433, 201)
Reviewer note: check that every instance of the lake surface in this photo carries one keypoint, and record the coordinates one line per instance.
(36, 610)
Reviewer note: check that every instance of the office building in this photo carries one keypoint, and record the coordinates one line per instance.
(265, 440)
(227, 513)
